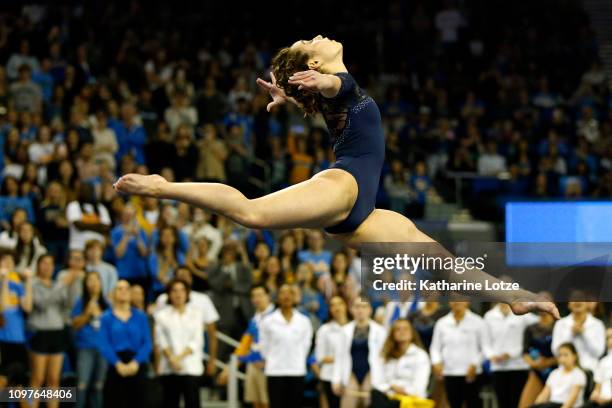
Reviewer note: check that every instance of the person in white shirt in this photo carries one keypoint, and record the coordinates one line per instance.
(602, 392)
(179, 336)
(327, 341)
(457, 352)
(404, 366)
(87, 218)
(586, 332)
(286, 337)
(509, 370)
(208, 313)
(565, 385)
(355, 367)
(491, 163)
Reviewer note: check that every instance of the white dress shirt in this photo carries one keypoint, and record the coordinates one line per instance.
(285, 344)
(562, 383)
(411, 372)
(590, 344)
(328, 339)
(343, 365)
(603, 376)
(506, 337)
(200, 300)
(459, 345)
(177, 331)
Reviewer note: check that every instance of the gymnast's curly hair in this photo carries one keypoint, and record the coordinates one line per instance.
(285, 63)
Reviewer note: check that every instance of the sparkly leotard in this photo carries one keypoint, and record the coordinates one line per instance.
(355, 125)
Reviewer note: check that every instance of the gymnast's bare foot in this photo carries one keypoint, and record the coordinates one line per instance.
(520, 307)
(140, 185)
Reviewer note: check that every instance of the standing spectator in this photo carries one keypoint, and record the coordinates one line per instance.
(209, 314)
(130, 245)
(404, 367)
(107, 273)
(185, 154)
(52, 222)
(586, 332)
(76, 268)
(491, 163)
(46, 321)
(248, 351)
(286, 337)
(463, 330)
(10, 235)
(230, 281)
(355, 368)
(397, 188)
(537, 352)
(211, 103)
(15, 302)
(200, 226)
(27, 96)
(328, 339)
(424, 319)
(21, 58)
(91, 366)
(88, 219)
(509, 370)
(125, 343)
(301, 162)
(42, 149)
(565, 385)
(180, 339)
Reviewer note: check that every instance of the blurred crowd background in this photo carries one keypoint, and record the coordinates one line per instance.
(482, 102)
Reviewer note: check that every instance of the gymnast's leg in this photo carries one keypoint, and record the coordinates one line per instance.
(383, 226)
(324, 200)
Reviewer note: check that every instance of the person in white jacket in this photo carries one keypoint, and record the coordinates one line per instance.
(355, 367)
(586, 332)
(286, 337)
(457, 352)
(327, 344)
(601, 397)
(509, 370)
(404, 366)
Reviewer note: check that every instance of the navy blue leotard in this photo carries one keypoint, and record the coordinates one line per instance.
(354, 122)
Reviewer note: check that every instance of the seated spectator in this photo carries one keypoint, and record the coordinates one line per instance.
(403, 367)
(397, 187)
(179, 337)
(41, 151)
(165, 258)
(105, 140)
(107, 273)
(197, 261)
(212, 155)
(491, 163)
(125, 343)
(131, 136)
(90, 365)
(88, 219)
(583, 330)
(180, 112)
(11, 200)
(28, 248)
(27, 95)
(565, 385)
(130, 246)
(312, 302)
(272, 276)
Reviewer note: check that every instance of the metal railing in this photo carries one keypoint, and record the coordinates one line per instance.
(233, 373)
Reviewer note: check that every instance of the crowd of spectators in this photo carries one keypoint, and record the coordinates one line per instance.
(114, 291)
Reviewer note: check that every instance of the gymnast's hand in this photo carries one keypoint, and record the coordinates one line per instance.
(314, 81)
(140, 185)
(278, 95)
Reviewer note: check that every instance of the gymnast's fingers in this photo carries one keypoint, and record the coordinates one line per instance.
(264, 84)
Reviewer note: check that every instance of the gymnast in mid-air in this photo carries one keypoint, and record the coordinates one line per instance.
(311, 74)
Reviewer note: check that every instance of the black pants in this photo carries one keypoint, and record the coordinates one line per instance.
(177, 386)
(508, 386)
(285, 391)
(380, 400)
(333, 401)
(124, 392)
(591, 404)
(547, 405)
(458, 390)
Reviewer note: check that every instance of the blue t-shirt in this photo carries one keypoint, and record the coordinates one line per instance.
(13, 330)
(132, 265)
(118, 336)
(88, 336)
(157, 286)
(310, 257)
